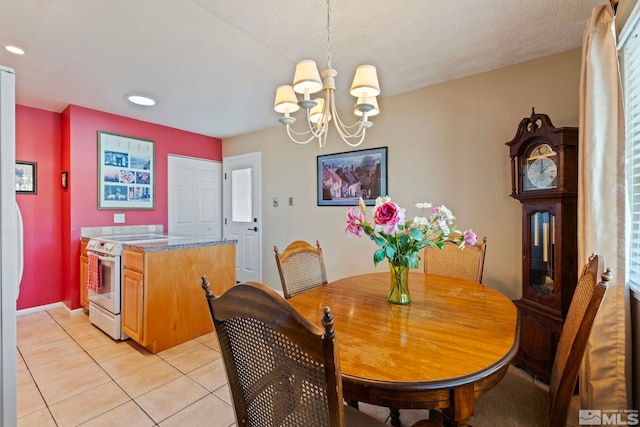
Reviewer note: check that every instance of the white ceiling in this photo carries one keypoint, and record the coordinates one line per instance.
(214, 65)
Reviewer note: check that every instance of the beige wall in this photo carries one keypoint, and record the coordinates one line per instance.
(446, 146)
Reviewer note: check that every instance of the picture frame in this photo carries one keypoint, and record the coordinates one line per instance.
(343, 178)
(126, 172)
(26, 177)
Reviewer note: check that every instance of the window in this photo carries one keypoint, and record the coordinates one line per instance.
(630, 71)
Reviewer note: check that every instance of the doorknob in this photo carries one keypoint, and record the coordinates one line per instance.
(254, 229)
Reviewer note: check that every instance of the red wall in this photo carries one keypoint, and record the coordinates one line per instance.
(38, 139)
(72, 145)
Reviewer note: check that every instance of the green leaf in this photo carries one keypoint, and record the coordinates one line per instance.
(378, 256)
(390, 251)
(413, 261)
(379, 241)
(416, 234)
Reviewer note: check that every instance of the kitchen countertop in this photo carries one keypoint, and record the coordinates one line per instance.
(174, 243)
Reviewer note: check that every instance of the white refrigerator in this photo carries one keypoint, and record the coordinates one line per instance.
(10, 248)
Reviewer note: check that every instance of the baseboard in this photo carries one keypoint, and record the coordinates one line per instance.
(49, 307)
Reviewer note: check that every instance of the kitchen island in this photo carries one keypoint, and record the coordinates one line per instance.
(163, 304)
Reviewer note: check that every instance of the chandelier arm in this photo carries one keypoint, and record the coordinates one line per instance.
(322, 140)
(292, 138)
(316, 129)
(342, 129)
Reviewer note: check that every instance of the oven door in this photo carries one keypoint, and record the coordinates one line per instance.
(108, 297)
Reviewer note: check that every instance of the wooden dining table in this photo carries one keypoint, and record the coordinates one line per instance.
(451, 344)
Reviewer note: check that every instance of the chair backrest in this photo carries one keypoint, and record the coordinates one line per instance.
(574, 336)
(451, 261)
(301, 267)
(282, 370)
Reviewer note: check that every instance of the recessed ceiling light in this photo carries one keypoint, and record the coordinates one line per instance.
(14, 49)
(141, 100)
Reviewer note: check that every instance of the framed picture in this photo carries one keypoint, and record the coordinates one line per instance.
(126, 172)
(345, 177)
(26, 177)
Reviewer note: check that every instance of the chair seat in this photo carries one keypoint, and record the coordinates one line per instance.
(355, 418)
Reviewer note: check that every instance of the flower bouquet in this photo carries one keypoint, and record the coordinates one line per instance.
(400, 240)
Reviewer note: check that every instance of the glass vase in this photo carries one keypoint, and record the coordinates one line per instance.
(399, 292)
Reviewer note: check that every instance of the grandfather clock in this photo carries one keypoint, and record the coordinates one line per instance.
(544, 178)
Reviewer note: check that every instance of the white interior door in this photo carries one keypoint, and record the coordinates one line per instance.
(242, 213)
(194, 197)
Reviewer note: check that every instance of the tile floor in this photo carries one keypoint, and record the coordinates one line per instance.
(72, 374)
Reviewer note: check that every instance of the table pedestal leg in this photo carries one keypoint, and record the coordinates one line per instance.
(395, 417)
(463, 405)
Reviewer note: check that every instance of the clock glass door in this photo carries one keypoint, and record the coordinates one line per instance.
(540, 169)
(542, 252)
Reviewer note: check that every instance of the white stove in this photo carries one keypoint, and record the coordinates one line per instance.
(105, 303)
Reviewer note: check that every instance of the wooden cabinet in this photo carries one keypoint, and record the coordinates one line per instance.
(163, 303)
(84, 271)
(132, 294)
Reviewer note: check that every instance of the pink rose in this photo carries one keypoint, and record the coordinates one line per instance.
(354, 217)
(388, 215)
(470, 237)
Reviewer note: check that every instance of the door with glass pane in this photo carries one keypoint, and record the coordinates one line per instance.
(242, 216)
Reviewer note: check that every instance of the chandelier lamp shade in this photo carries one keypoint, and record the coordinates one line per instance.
(320, 111)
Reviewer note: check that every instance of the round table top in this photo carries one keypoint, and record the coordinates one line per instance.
(453, 332)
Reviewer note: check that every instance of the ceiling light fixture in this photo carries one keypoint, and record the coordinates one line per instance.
(320, 111)
(141, 100)
(14, 49)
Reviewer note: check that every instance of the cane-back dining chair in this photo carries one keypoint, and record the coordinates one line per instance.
(301, 267)
(282, 370)
(451, 261)
(516, 400)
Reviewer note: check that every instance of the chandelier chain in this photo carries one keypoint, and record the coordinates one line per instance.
(328, 34)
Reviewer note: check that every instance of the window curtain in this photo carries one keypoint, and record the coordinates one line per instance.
(602, 219)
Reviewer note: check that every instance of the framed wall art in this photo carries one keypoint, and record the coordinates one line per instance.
(126, 172)
(345, 177)
(26, 177)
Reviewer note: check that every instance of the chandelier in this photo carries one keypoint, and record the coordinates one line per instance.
(320, 111)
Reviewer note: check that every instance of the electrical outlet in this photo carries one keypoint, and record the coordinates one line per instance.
(118, 218)
(275, 202)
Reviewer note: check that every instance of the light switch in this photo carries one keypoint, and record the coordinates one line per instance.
(290, 201)
(275, 202)
(118, 218)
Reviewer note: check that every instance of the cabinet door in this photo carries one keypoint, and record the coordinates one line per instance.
(84, 272)
(132, 304)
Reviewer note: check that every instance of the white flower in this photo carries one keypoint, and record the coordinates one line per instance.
(380, 200)
(420, 221)
(447, 213)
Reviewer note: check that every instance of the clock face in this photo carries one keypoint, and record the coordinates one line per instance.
(540, 169)
(542, 172)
